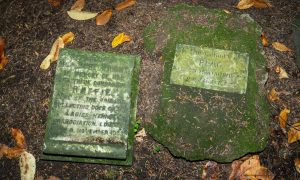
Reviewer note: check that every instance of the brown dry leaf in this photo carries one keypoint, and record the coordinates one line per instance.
(104, 17)
(280, 47)
(235, 166)
(264, 39)
(283, 117)
(297, 164)
(251, 162)
(3, 150)
(282, 73)
(140, 135)
(68, 37)
(294, 133)
(55, 3)
(273, 95)
(53, 178)
(245, 4)
(125, 4)
(19, 137)
(78, 5)
(53, 55)
(210, 170)
(3, 58)
(262, 4)
(14, 152)
(119, 39)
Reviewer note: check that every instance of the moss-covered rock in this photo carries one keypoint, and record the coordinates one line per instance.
(204, 123)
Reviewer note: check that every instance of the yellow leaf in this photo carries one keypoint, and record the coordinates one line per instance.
(125, 4)
(283, 117)
(280, 47)
(68, 37)
(282, 73)
(119, 39)
(294, 133)
(104, 17)
(53, 55)
(78, 5)
(46, 62)
(19, 137)
(273, 95)
(140, 135)
(297, 164)
(81, 15)
(264, 39)
(245, 4)
(226, 11)
(262, 4)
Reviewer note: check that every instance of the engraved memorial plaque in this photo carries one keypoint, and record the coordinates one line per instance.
(93, 108)
(209, 68)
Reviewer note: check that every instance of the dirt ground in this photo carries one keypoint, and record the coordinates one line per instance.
(30, 28)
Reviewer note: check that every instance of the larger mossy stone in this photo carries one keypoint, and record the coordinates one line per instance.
(212, 103)
(93, 108)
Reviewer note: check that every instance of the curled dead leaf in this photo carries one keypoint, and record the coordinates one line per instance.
(78, 5)
(264, 39)
(282, 73)
(81, 15)
(3, 150)
(273, 95)
(55, 3)
(227, 11)
(125, 4)
(104, 17)
(19, 137)
(53, 178)
(53, 55)
(297, 164)
(280, 47)
(262, 4)
(27, 164)
(68, 37)
(283, 117)
(3, 58)
(235, 166)
(294, 133)
(245, 4)
(13, 152)
(140, 135)
(119, 39)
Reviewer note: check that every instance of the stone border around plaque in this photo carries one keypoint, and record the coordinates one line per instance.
(93, 108)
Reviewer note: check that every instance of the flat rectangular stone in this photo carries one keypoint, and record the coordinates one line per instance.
(209, 68)
(93, 107)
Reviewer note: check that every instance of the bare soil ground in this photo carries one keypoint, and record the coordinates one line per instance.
(30, 28)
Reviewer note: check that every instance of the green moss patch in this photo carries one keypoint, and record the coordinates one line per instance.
(197, 123)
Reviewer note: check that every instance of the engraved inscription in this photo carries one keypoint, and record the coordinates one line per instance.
(208, 68)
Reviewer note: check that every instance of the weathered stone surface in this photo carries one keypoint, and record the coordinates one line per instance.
(93, 108)
(203, 113)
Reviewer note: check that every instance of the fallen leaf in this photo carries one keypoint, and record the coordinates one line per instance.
(140, 135)
(210, 170)
(3, 58)
(53, 55)
(226, 11)
(13, 152)
(27, 164)
(280, 47)
(235, 166)
(252, 169)
(264, 39)
(59, 45)
(294, 133)
(297, 164)
(46, 62)
(81, 15)
(245, 4)
(104, 17)
(125, 4)
(283, 117)
(68, 37)
(19, 137)
(55, 3)
(273, 95)
(119, 39)
(262, 4)
(3, 150)
(53, 178)
(282, 73)
(78, 5)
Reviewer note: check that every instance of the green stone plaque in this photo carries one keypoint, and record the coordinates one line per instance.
(209, 68)
(93, 108)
